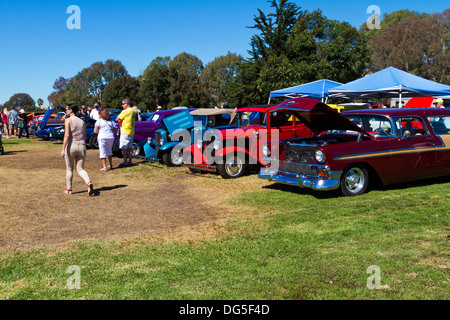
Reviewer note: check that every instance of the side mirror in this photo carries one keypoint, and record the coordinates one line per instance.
(406, 134)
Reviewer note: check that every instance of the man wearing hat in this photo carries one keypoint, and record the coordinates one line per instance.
(439, 103)
(94, 112)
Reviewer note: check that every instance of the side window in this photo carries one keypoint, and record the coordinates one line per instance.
(281, 119)
(414, 125)
(440, 125)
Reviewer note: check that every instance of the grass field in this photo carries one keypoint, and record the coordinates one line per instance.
(268, 242)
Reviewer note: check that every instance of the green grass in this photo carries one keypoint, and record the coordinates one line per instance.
(294, 244)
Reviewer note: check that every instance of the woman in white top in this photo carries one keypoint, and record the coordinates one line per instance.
(105, 128)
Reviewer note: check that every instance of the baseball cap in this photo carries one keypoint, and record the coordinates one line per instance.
(438, 101)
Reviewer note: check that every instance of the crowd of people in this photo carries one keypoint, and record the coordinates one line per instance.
(74, 142)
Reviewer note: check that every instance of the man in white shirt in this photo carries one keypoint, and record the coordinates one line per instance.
(94, 112)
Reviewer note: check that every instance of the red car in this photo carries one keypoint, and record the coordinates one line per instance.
(233, 151)
(350, 149)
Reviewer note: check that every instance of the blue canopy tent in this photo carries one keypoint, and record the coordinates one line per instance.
(389, 83)
(316, 89)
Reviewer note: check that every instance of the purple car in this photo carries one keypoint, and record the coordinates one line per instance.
(145, 129)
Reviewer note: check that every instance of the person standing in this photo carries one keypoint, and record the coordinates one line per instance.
(23, 124)
(104, 128)
(5, 122)
(94, 112)
(12, 121)
(74, 148)
(127, 117)
(439, 103)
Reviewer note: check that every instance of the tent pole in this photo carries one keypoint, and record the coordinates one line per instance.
(269, 101)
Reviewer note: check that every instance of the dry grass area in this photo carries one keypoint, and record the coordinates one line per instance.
(148, 201)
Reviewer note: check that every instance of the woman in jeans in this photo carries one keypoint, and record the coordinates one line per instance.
(74, 148)
(105, 128)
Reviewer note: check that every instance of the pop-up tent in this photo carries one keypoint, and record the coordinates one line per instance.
(389, 83)
(316, 89)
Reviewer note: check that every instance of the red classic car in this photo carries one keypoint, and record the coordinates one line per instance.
(350, 149)
(233, 150)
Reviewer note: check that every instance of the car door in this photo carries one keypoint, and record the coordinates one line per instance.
(441, 128)
(413, 151)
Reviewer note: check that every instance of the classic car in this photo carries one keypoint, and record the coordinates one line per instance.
(231, 152)
(48, 122)
(143, 130)
(192, 124)
(57, 133)
(351, 149)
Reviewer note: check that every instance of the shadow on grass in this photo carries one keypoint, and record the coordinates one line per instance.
(98, 191)
(304, 191)
(375, 187)
(10, 153)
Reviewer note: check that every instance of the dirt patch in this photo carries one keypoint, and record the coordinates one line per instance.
(142, 201)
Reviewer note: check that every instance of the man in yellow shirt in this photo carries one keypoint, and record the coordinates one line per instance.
(127, 117)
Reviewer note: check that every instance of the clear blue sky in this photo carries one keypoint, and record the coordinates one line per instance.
(36, 47)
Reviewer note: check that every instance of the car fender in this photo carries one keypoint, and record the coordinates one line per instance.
(232, 150)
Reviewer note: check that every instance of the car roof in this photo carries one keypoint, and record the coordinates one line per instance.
(398, 112)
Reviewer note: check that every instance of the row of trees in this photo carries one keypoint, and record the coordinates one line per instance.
(291, 46)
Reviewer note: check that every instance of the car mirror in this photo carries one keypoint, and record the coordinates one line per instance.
(406, 134)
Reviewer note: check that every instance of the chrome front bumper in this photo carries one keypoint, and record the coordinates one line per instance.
(332, 182)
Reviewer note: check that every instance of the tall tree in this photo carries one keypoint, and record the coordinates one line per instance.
(185, 86)
(154, 87)
(57, 97)
(87, 86)
(118, 89)
(418, 44)
(218, 74)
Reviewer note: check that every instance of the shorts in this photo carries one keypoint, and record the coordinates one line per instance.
(105, 147)
(126, 141)
(12, 126)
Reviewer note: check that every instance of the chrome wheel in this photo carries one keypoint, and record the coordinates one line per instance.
(354, 180)
(234, 166)
(177, 157)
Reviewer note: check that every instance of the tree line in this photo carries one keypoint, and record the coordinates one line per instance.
(290, 46)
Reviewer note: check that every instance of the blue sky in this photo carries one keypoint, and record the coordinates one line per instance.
(36, 47)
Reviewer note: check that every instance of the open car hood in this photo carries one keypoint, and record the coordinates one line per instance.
(179, 120)
(45, 118)
(317, 116)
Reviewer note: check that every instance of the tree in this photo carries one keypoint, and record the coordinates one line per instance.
(185, 86)
(87, 86)
(218, 74)
(417, 43)
(155, 84)
(21, 101)
(57, 97)
(118, 89)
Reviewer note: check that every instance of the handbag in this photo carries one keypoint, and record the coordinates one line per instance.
(20, 125)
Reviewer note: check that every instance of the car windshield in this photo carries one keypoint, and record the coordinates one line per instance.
(214, 121)
(377, 125)
(253, 118)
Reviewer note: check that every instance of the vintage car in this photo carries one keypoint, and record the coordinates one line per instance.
(178, 131)
(233, 151)
(48, 122)
(350, 149)
(144, 129)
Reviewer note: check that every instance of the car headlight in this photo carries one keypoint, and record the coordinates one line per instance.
(149, 140)
(162, 141)
(199, 143)
(320, 156)
(265, 150)
(217, 142)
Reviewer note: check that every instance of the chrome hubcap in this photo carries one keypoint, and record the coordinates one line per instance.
(354, 180)
(233, 166)
(177, 157)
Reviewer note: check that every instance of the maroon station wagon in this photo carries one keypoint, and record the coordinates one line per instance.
(350, 149)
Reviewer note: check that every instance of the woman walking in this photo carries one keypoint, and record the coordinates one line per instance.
(5, 122)
(74, 148)
(105, 128)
